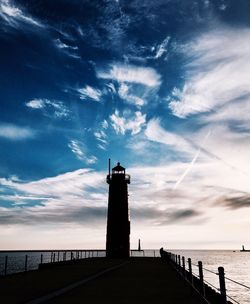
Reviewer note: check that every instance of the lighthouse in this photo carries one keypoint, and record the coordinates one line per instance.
(118, 224)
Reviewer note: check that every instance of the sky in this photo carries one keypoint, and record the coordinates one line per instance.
(163, 86)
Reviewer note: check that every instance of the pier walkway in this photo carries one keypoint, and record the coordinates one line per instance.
(99, 280)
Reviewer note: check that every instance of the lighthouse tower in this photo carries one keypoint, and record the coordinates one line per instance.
(118, 224)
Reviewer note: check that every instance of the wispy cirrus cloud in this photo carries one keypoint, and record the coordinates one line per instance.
(70, 50)
(79, 149)
(128, 97)
(217, 72)
(48, 107)
(14, 132)
(127, 122)
(90, 92)
(132, 74)
(155, 132)
(15, 16)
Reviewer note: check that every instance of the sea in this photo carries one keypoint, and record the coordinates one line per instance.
(236, 265)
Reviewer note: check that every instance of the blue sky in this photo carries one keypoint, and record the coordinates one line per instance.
(161, 86)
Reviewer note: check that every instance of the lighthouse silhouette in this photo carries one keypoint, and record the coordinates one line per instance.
(118, 224)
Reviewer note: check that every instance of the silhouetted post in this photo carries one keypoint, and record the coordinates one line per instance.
(41, 258)
(54, 258)
(118, 224)
(179, 261)
(190, 270)
(139, 245)
(201, 278)
(154, 253)
(222, 284)
(51, 257)
(71, 255)
(176, 260)
(5, 265)
(58, 256)
(183, 266)
(26, 263)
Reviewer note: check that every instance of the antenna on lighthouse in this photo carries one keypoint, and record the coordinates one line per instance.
(109, 166)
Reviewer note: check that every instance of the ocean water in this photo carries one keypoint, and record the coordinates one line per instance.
(236, 265)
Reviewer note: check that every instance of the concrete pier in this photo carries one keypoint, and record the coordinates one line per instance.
(99, 280)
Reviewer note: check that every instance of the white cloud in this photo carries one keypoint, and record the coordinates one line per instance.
(131, 74)
(58, 107)
(36, 103)
(217, 73)
(122, 124)
(155, 132)
(90, 92)
(79, 150)
(124, 93)
(14, 15)
(14, 132)
(160, 49)
(62, 45)
(105, 124)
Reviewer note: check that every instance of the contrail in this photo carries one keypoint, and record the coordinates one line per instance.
(192, 162)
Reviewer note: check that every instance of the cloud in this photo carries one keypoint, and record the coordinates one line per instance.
(79, 149)
(217, 72)
(14, 132)
(58, 108)
(67, 49)
(123, 92)
(101, 137)
(155, 132)
(131, 74)
(240, 200)
(62, 45)
(66, 198)
(164, 217)
(122, 124)
(14, 16)
(90, 92)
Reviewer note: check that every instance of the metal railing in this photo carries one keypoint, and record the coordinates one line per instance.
(197, 278)
(21, 261)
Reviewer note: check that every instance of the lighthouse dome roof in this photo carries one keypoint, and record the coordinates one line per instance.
(118, 168)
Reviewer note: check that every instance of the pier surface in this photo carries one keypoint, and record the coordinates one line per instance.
(99, 280)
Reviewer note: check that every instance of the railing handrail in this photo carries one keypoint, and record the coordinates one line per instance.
(176, 260)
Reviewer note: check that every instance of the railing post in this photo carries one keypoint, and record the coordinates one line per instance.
(222, 285)
(58, 256)
(176, 260)
(201, 278)
(190, 270)
(5, 265)
(51, 257)
(41, 258)
(54, 258)
(179, 261)
(26, 263)
(183, 266)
